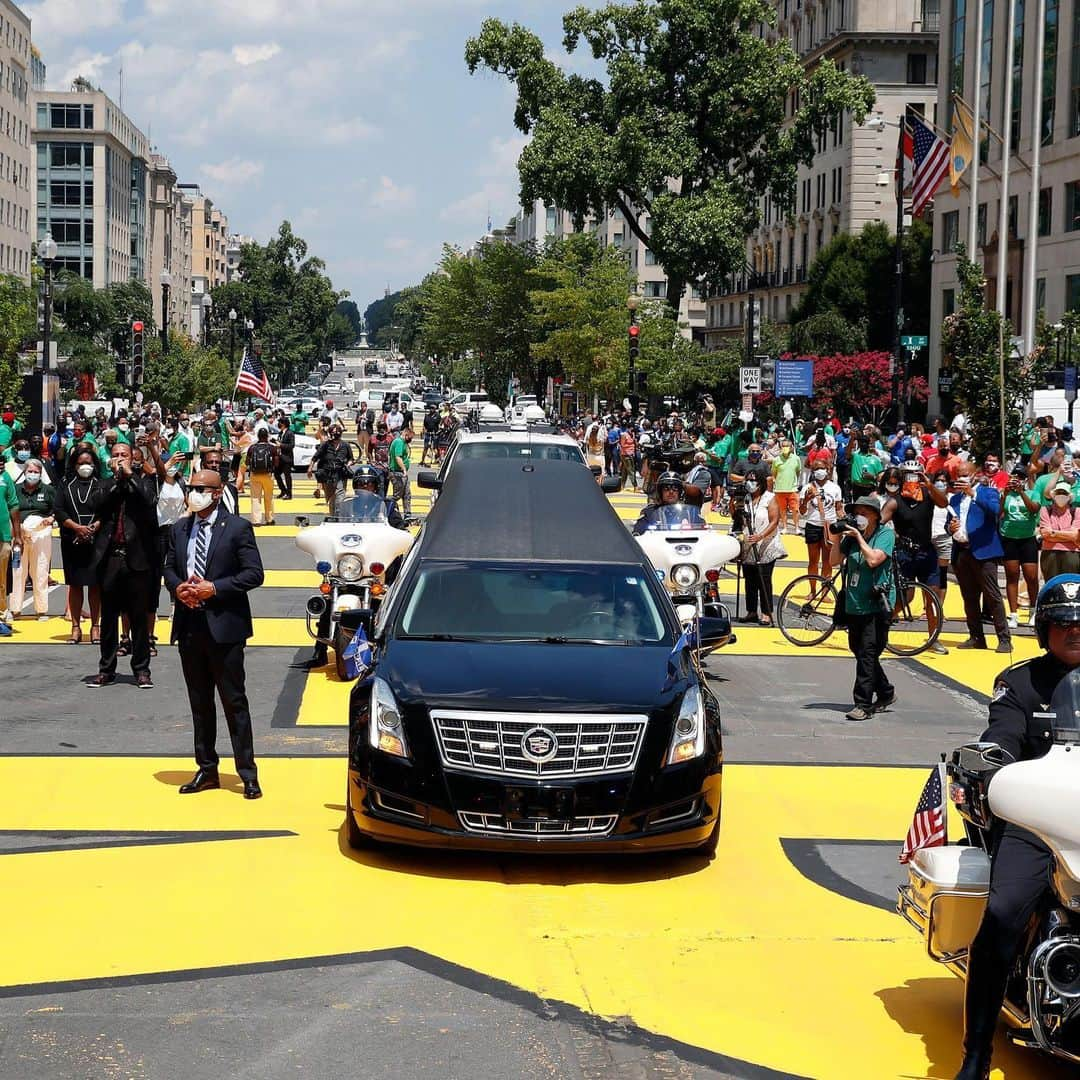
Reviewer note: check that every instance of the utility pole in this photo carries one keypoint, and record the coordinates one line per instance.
(899, 383)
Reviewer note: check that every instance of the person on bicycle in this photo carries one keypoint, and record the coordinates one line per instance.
(909, 500)
(869, 598)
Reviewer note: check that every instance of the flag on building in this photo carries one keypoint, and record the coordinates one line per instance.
(963, 142)
(252, 377)
(931, 153)
(905, 167)
(929, 827)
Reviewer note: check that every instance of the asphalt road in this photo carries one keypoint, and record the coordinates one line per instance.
(160, 937)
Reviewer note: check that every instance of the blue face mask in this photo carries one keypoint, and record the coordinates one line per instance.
(22, 455)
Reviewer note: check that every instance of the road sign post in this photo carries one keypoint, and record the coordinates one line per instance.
(1070, 389)
(750, 380)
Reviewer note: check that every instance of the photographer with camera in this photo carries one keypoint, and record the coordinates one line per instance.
(868, 598)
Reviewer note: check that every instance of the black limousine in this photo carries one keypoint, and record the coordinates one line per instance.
(530, 687)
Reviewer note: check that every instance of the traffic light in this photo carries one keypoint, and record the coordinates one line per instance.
(635, 341)
(137, 353)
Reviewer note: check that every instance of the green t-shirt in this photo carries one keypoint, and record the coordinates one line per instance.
(861, 582)
(6, 434)
(1043, 492)
(1017, 521)
(864, 467)
(718, 452)
(9, 500)
(399, 448)
(298, 422)
(182, 444)
(785, 472)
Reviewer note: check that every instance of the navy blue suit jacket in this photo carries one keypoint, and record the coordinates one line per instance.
(234, 566)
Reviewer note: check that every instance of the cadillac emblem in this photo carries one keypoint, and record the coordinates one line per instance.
(539, 745)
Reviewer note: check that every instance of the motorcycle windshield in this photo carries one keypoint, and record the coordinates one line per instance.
(363, 506)
(1064, 711)
(676, 517)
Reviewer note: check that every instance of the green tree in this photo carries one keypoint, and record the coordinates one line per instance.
(971, 339)
(18, 321)
(852, 281)
(351, 312)
(187, 376)
(691, 127)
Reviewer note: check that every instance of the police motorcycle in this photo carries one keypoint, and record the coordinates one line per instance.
(948, 886)
(356, 550)
(687, 555)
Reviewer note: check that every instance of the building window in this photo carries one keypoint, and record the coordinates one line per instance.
(1014, 216)
(1040, 296)
(1072, 206)
(1046, 210)
(950, 231)
(549, 224)
(1072, 292)
(656, 289)
(916, 69)
(980, 225)
(948, 302)
(650, 257)
(1049, 72)
(956, 56)
(805, 249)
(1074, 120)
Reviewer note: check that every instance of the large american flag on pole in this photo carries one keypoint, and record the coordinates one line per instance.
(252, 378)
(931, 163)
(929, 827)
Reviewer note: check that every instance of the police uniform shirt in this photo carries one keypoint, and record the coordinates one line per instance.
(1020, 718)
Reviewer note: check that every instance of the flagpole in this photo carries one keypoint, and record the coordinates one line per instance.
(899, 385)
(976, 134)
(1032, 245)
(1003, 215)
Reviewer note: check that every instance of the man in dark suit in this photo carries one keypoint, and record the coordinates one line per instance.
(126, 554)
(211, 566)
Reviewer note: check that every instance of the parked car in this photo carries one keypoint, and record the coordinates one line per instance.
(530, 687)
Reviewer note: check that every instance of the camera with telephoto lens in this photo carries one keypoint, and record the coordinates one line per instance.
(843, 524)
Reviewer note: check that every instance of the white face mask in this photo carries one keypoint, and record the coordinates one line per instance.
(199, 500)
(751, 485)
(820, 474)
(85, 471)
(1062, 500)
(941, 485)
(123, 427)
(862, 521)
(32, 479)
(892, 489)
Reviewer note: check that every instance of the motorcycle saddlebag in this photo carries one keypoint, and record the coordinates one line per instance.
(945, 897)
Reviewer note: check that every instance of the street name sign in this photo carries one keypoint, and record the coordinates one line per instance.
(917, 341)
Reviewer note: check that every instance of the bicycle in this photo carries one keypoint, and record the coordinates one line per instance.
(806, 612)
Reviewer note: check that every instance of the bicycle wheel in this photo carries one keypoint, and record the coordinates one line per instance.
(910, 633)
(804, 620)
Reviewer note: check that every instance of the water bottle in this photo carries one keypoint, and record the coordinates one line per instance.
(16, 558)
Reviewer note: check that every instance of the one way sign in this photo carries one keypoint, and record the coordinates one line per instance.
(750, 380)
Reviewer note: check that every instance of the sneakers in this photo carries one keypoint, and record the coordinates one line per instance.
(858, 713)
(5, 630)
(884, 703)
(143, 681)
(1012, 621)
(972, 643)
(1004, 645)
(938, 648)
(98, 681)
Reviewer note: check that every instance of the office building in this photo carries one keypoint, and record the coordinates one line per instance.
(16, 206)
(851, 180)
(209, 239)
(90, 179)
(169, 244)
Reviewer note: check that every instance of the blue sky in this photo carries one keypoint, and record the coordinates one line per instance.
(355, 119)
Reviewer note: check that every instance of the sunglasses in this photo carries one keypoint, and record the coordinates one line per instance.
(200, 488)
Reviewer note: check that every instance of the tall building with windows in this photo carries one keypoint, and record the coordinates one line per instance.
(90, 179)
(1057, 239)
(16, 220)
(169, 244)
(615, 231)
(851, 180)
(209, 239)
(233, 247)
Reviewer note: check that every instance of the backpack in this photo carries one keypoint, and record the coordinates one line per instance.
(261, 458)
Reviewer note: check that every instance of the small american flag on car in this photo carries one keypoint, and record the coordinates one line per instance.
(929, 827)
(252, 378)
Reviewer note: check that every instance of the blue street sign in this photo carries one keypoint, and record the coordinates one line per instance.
(794, 378)
(1070, 384)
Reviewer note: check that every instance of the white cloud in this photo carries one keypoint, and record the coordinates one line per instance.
(347, 131)
(246, 55)
(72, 18)
(89, 67)
(397, 243)
(389, 196)
(232, 173)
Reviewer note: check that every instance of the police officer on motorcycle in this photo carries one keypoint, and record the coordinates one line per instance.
(669, 490)
(1020, 874)
(369, 478)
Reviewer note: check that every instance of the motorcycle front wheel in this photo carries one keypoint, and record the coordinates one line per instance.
(341, 640)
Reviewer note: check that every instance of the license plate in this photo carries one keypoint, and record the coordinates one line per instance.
(556, 804)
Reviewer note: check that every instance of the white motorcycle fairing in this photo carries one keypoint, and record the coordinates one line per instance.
(699, 547)
(1043, 796)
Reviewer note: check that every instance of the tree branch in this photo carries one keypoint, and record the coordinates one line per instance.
(632, 221)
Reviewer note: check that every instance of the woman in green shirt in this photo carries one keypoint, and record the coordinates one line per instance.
(1017, 522)
(866, 466)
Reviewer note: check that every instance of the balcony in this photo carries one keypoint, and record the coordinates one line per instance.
(761, 281)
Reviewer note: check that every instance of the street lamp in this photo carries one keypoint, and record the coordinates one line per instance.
(232, 337)
(207, 309)
(166, 285)
(47, 254)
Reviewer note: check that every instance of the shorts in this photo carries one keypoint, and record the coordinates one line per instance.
(814, 534)
(943, 544)
(919, 566)
(1022, 550)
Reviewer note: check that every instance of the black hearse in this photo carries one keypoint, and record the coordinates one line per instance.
(530, 687)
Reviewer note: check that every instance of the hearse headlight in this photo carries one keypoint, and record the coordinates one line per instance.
(684, 575)
(384, 727)
(350, 567)
(688, 736)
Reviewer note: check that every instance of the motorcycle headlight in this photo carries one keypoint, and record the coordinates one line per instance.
(350, 567)
(688, 737)
(684, 575)
(384, 727)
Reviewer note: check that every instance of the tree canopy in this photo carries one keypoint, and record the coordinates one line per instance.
(698, 118)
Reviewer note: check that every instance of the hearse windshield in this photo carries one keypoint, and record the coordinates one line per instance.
(455, 601)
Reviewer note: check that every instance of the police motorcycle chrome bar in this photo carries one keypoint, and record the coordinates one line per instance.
(317, 605)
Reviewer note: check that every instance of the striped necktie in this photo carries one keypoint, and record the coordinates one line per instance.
(202, 545)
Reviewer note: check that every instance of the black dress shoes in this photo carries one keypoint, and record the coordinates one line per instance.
(252, 789)
(203, 780)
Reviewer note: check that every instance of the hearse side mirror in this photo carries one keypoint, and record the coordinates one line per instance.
(713, 633)
(427, 478)
(610, 484)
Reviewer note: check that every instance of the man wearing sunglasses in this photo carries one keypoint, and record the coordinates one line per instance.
(211, 566)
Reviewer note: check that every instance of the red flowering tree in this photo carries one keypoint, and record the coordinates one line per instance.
(858, 385)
